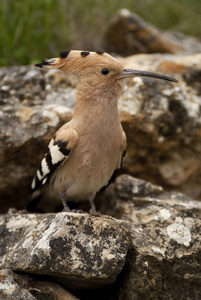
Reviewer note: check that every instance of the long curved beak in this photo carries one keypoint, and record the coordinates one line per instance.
(139, 73)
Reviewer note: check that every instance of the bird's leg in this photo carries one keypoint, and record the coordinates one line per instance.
(63, 200)
(91, 201)
(92, 210)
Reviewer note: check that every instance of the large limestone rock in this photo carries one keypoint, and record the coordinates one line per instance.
(33, 104)
(164, 261)
(78, 250)
(153, 252)
(163, 123)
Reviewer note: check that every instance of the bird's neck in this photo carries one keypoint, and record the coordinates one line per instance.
(97, 119)
(100, 103)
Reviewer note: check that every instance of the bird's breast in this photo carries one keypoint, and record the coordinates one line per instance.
(91, 164)
(92, 161)
(99, 154)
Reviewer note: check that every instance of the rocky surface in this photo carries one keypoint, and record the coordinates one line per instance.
(79, 250)
(162, 121)
(33, 105)
(153, 252)
(137, 36)
(164, 261)
(15, 286)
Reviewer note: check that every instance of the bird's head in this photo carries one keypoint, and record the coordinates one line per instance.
(96, 69)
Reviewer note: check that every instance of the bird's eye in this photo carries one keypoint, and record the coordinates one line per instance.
(104, 71)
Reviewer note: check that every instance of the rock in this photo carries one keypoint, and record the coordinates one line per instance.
(153, 252)
(164, 262)
(78, 250)
(137, 36)
(33, 105)
(161, 119)
(15, 286)
(163, 123)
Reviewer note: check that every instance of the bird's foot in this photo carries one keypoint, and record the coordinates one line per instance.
(13, 210)
(78, 211)
(66, 209)
(94, 213)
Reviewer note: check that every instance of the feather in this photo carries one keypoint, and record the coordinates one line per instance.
(58, 152)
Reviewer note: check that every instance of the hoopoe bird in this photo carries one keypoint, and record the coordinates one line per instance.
(85, 152)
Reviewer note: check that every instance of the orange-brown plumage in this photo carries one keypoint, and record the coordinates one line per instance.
(86, 151)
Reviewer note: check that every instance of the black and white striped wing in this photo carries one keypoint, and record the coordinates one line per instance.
(58, 152)
(56, 156)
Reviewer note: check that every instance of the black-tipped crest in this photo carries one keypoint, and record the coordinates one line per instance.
(84, 53)
(63, 54)
(42, 64)
(100, 52)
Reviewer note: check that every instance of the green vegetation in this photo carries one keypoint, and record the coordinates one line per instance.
(32, 29)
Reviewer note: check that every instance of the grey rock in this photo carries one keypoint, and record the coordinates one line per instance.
(137, 36)
(163, 123)
(78, 250)
(14, 286)
(155, 247)
(33, 105)
(164, 262)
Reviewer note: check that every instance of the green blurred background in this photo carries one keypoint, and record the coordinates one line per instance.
(34, 29)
